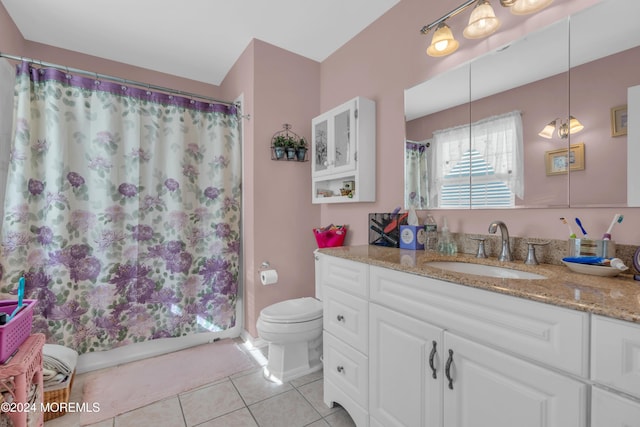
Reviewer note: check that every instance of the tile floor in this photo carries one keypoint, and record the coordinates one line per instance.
(244, 399)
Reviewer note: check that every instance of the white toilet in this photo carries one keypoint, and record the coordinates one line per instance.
(293, 329)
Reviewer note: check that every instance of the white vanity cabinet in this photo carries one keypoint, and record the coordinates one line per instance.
(412, 386)
(476, 383)
(615, 371)
(405, 350)
(345, 336)
(343, 153)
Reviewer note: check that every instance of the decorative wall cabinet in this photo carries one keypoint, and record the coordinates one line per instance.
(343, 153)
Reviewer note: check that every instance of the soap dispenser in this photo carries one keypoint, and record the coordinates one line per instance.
(446, 244)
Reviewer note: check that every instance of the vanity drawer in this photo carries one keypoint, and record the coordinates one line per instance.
(346, 317)
(541, 332)
(615, 350)
(346, 368)
(346, 275)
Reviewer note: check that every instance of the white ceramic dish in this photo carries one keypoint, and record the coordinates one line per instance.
(594, 270)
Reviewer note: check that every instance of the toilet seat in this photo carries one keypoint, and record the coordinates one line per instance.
(296, 310)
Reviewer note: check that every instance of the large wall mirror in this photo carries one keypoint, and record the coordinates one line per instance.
(584, 67)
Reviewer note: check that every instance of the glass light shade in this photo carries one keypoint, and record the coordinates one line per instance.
(443, 42)
(547, 132)
(507, 3)
(525, 7)
(574, 125)
(482, 21)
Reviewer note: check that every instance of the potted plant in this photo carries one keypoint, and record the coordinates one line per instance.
(290, 144)
(301, 149)
(279, 143)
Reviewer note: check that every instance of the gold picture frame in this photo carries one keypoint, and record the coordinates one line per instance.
(557, 162)
(619, 120)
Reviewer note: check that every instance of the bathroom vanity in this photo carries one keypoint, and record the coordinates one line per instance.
(406, 344)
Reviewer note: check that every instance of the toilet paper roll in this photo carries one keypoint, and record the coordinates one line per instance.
(269, 277)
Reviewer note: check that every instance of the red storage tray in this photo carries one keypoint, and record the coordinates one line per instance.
(18, 329)
(330, 238)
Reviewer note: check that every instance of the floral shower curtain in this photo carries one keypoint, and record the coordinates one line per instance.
(122, 211)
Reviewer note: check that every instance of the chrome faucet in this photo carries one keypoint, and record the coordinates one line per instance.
(505, 253)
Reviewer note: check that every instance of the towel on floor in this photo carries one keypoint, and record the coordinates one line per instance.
(58, 363)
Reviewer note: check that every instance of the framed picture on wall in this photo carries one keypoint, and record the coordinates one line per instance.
(619, 120)
(560, 161)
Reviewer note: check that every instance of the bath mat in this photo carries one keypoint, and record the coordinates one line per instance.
(126, 387)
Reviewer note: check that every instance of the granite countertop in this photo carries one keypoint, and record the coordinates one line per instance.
(617, 297)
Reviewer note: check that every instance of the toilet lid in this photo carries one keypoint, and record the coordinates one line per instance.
(293, 311)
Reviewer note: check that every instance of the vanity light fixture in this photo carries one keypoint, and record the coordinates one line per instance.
(564, 128)
(525, 7)
(482, 23)
(443, 42)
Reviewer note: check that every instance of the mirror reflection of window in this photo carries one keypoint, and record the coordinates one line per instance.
(495, 162)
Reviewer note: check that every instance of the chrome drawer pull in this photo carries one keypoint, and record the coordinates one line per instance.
(340, 369)
(340, 318)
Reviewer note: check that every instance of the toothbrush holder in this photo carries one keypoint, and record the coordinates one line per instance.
(588, 247)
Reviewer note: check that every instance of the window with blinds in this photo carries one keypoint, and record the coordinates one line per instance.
(479, 165)
(484, 190)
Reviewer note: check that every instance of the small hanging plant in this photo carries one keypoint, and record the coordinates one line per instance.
(287, 143)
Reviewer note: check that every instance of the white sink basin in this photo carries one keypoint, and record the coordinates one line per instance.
(484, 270)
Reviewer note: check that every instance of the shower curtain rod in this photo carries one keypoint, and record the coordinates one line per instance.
(117, 79)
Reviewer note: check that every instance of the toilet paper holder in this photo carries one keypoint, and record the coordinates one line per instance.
(266, 265)
(268, 275)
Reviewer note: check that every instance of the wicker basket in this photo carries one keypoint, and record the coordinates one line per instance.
(58, 395)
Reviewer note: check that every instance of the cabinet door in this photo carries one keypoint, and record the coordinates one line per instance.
(343, 154)
(404, 391)
(490, 388)
(333, 142)
(615, 354)
(611, 410)
(319, 142)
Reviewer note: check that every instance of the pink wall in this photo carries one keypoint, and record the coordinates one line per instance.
(388, 57)
(595, 88)
(11, 41)
(278, 214)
